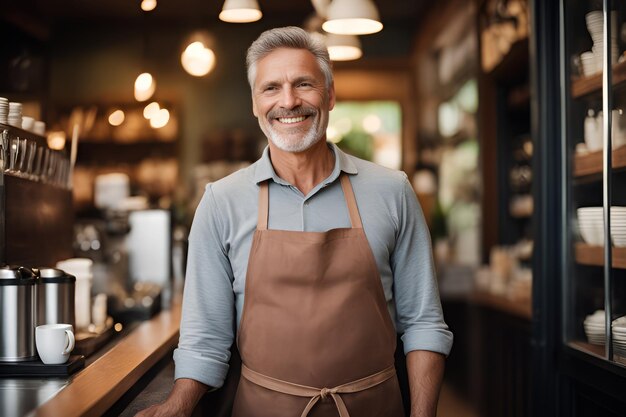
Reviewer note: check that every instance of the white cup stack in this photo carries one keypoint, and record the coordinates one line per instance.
(39, 128)
(82, 269)
(28, 123)
(15, 114)
(592, 62)
(4, 110)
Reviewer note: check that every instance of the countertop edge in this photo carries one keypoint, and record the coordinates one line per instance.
(96, 388)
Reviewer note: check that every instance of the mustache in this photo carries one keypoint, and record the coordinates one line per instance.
(300, 111)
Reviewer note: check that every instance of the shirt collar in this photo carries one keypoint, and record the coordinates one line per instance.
(265, 171)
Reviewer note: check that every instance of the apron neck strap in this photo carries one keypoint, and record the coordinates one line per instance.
(355, 218)
(263, 206)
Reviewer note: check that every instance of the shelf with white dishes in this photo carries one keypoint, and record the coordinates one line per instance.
(594, 255)
(591, 163)
(593, 84)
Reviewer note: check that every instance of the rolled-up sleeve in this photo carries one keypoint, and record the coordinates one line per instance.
(208, 312)
(418, 307)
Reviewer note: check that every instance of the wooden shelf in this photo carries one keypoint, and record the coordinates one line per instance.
(597, 350)
(594, 255)
(588, 85)
(518, 308)
(102, 153)
(591, 163)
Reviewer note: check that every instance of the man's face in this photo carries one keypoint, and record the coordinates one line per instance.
(290, 99)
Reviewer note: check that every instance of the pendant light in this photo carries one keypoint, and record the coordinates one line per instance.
(198, 58)
(240, 11)
(148, 5)
(343, 47)
(144, 86)
(352, 17)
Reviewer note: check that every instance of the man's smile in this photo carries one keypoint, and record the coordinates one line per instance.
(290, 120)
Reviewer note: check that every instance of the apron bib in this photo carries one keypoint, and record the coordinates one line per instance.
(316, 338)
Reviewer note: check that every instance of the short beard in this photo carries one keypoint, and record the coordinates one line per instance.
(310, 138)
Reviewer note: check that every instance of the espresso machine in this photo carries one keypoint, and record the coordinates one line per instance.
(130, 246)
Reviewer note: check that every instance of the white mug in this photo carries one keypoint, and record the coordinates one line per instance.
(54, 342)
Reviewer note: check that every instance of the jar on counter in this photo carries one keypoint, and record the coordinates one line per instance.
(18, 293)
(82, 269)
(55, 297)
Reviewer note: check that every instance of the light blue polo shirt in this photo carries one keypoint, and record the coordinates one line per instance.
(221, 236)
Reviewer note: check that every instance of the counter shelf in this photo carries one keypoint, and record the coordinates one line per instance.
(93, 390)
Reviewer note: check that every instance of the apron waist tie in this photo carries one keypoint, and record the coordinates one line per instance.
(317, 393)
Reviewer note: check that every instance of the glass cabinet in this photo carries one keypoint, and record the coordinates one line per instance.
(593, 127)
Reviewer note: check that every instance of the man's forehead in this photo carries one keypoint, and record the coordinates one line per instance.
(290, 57)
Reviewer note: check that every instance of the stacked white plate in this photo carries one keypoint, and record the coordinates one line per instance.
(594, 327)
(618, 226)
(619, 336)
(595, 26)
(591, 225)
(15, 114)
(4, 110)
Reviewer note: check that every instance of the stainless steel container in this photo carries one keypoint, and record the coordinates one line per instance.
(55, 297)
(18, 292)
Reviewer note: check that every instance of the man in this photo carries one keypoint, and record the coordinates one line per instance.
(331, 255)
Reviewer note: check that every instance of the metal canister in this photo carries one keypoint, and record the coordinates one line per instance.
(55, 297)
(18, 292)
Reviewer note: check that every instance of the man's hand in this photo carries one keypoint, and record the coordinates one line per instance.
(425, 371)
(181, 401)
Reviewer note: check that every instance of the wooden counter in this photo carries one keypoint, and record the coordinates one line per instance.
(96, 388)
(518, 308)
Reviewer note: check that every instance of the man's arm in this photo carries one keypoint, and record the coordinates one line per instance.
(181, 401)
(425, 370)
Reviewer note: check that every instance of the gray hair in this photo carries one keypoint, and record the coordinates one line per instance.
(288, 37)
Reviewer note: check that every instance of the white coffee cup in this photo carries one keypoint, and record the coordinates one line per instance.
(54, 342)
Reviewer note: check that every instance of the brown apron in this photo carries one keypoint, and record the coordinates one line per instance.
(316, 338)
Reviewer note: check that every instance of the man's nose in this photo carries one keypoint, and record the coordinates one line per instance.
(289, 98)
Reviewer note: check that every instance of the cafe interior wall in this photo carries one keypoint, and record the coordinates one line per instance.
(95, 63)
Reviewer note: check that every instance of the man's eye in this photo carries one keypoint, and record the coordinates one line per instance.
(306, 84)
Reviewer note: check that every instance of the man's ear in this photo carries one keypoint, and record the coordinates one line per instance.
(254, 109)
(331, 96)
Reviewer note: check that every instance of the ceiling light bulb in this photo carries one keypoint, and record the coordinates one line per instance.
(116, 118)
(343, 47)
(160, 119)
(148, 5)
(150, 110)
(352, 17)
(240, 11)
(144, 86)
(56, 140)
(197, 59)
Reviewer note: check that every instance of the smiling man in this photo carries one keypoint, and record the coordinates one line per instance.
(312, 261)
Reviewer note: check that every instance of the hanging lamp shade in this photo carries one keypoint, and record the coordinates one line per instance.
(240, 11)
(352, 17)
(343, 47)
